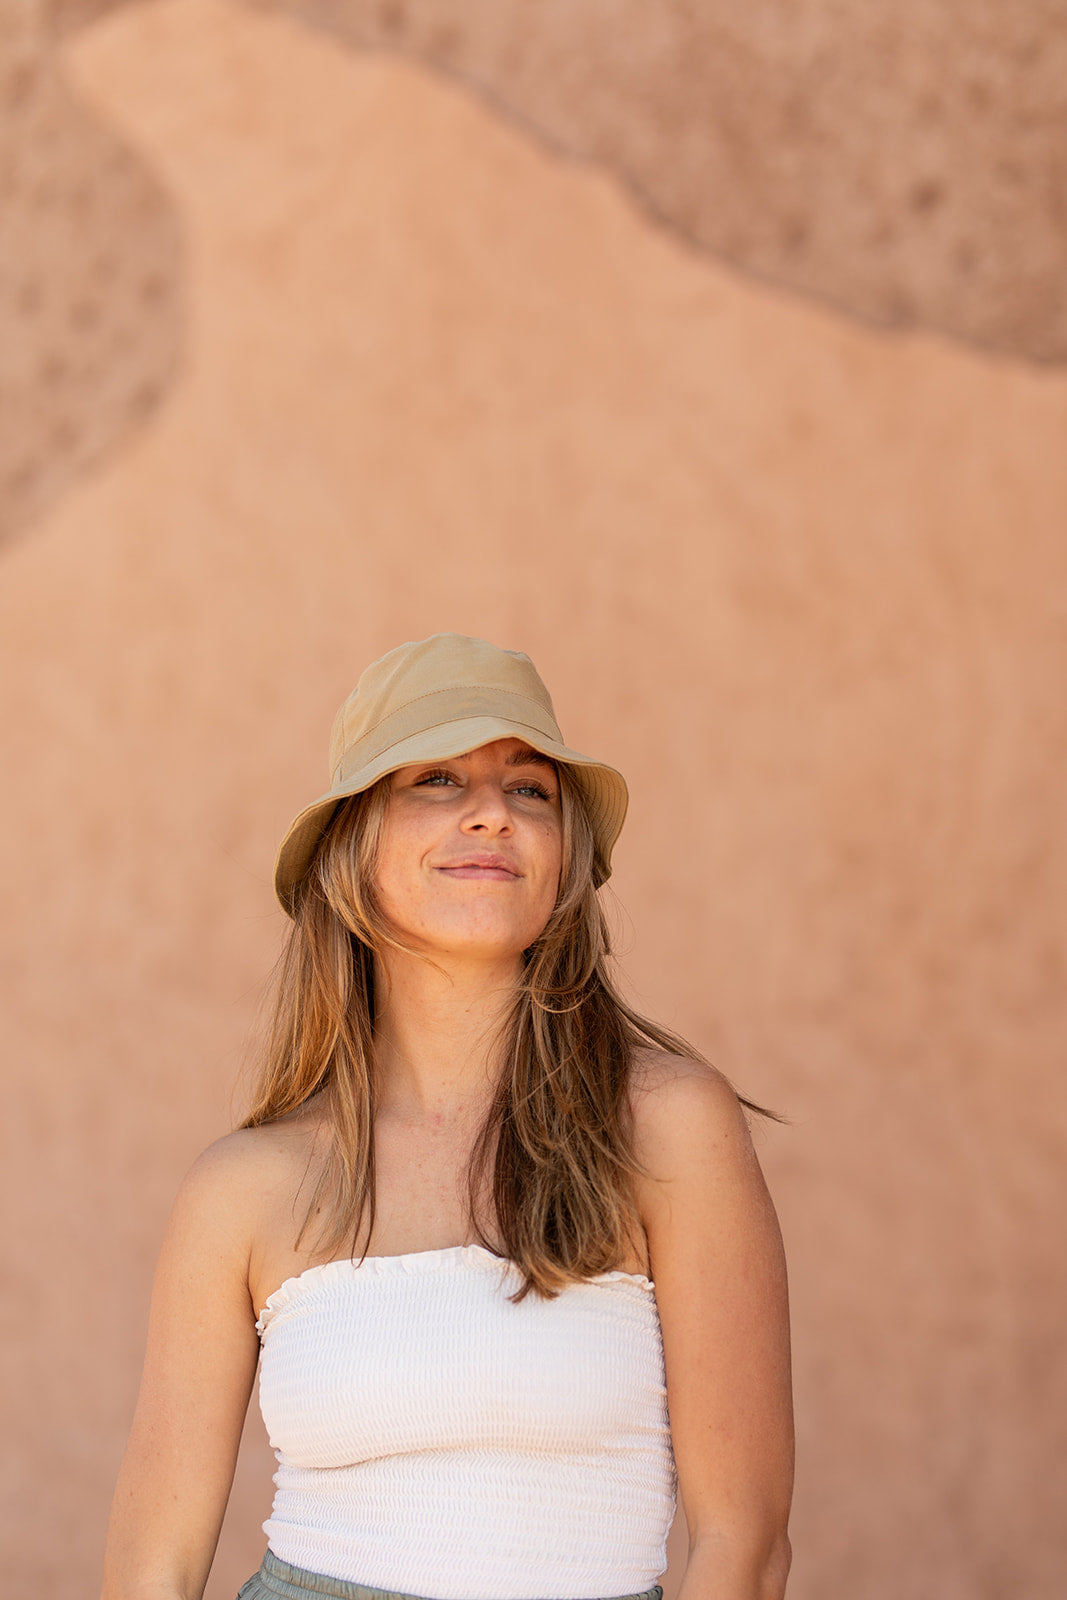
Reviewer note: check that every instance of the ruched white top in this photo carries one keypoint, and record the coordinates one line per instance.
(435, 1438)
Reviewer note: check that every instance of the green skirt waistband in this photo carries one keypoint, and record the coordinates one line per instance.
(277, 1580)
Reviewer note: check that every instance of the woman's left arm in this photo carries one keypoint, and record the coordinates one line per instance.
(716, 1258)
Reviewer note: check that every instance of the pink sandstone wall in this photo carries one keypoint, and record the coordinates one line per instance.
(90, 267)
(803, 580)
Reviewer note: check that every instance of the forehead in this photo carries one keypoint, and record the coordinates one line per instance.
(515, 753)
(510, 752)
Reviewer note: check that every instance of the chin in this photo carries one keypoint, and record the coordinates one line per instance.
(479, 944)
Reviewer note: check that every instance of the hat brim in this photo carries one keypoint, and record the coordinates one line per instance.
(603, 789)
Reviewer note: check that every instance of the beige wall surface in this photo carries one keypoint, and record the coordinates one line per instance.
(803, 581)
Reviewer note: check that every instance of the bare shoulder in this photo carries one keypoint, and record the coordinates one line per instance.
(682, 1108)
(233, 1180)
(701, 1197)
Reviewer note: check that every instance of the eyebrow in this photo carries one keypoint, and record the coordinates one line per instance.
(529, 758)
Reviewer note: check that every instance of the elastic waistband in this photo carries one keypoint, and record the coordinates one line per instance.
(293, 1583)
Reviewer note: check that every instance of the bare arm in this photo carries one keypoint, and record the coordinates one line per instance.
(199, 1368)
(716, 1258)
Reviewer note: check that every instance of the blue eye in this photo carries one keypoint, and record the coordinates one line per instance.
(441, 778)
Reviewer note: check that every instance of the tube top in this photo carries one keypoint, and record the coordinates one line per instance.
(437, 1439)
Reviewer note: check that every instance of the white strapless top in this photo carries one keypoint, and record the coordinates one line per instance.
(436, 1439)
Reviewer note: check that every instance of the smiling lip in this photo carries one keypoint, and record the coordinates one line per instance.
(484, 869)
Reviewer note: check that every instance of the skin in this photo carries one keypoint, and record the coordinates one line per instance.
(468, 874)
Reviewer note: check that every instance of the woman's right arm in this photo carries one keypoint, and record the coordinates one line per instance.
(199, 1369)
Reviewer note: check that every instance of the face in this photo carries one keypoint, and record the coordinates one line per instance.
(470, 851)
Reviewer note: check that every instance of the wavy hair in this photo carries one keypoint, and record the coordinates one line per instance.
(555, 1151)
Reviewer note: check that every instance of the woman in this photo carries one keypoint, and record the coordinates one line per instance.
(467, 1162)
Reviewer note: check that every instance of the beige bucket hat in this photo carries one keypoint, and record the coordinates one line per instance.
(430, 701)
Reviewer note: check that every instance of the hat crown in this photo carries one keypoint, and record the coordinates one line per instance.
(434, 700)
(426, 682)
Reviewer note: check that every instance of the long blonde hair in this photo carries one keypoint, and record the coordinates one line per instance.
(555, 1151)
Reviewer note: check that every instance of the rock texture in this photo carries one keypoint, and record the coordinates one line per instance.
(90, 279)
(903, 160)
(803, 583)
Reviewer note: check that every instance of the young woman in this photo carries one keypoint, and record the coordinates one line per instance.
(439, 1229)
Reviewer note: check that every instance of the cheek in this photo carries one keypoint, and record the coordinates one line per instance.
(557, 869)
(398, 857)
(552, 867)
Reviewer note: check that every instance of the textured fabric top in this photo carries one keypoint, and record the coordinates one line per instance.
(437, 1439)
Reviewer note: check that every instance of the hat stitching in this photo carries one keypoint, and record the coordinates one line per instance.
(513, 694)
(430, 726)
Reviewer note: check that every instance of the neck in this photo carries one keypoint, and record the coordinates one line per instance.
(436, 1032)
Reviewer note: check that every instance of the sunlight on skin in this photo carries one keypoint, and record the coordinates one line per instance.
(470, 854)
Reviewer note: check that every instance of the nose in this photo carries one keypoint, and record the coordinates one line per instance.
(486, 810)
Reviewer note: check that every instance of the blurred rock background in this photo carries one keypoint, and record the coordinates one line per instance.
(713, 355)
